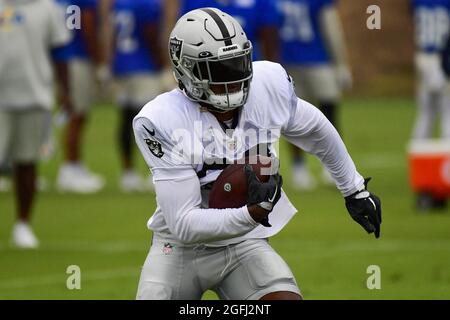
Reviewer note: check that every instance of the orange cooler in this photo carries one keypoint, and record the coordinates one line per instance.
(429, 165)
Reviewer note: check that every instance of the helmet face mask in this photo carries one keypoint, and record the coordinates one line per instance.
(207, 71)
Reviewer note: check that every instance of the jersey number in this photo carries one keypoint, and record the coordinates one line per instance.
(433, 25)
(125, 26)
(297, 22)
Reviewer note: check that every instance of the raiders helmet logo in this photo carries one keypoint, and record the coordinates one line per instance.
(175, 47)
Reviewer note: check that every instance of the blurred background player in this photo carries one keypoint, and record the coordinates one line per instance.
(5, 174)
(258, 18)
(83, 54)
(29, 30)
(432, 23)
(137, 63)
(314, 53)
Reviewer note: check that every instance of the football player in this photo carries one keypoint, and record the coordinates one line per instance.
(432, 25)
(313, 50)
(83, 55)
(29, 32)
(225, 108)
(137, 62)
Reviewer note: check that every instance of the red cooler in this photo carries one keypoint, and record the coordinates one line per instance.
(429, 167)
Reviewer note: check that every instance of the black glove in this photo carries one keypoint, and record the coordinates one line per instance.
(365, 208)
(263, 194)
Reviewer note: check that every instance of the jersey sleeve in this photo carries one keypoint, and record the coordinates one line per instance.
(307, 128)
(180, 201)
(166, 157)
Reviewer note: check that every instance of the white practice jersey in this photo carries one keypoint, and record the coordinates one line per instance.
(29, 29)
(187, 148)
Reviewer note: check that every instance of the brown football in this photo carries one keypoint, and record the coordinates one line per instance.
(230, 188)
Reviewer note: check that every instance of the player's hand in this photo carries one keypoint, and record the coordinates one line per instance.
(365, 208)
(344, 77)
(103, 76)
(262, 194)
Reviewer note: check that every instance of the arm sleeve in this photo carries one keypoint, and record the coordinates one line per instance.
(180, 200)
(310, 130)
(178, 193)
(307, 128)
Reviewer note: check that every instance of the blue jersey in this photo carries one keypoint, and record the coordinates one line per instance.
(76, 48)
(302, 41)
(432, 23)
(252, 15)
(132, 54)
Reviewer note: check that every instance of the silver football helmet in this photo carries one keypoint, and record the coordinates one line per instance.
(212, 58)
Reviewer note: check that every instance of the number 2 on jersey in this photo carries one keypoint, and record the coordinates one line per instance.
(297, 25)
(125, 24)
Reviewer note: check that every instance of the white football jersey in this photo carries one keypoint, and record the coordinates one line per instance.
(180, 140)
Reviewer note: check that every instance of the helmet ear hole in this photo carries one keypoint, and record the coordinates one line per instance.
(197, 93)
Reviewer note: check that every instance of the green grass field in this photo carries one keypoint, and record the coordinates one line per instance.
(106, 235)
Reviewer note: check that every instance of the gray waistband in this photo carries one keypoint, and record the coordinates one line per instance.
(165, 238)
